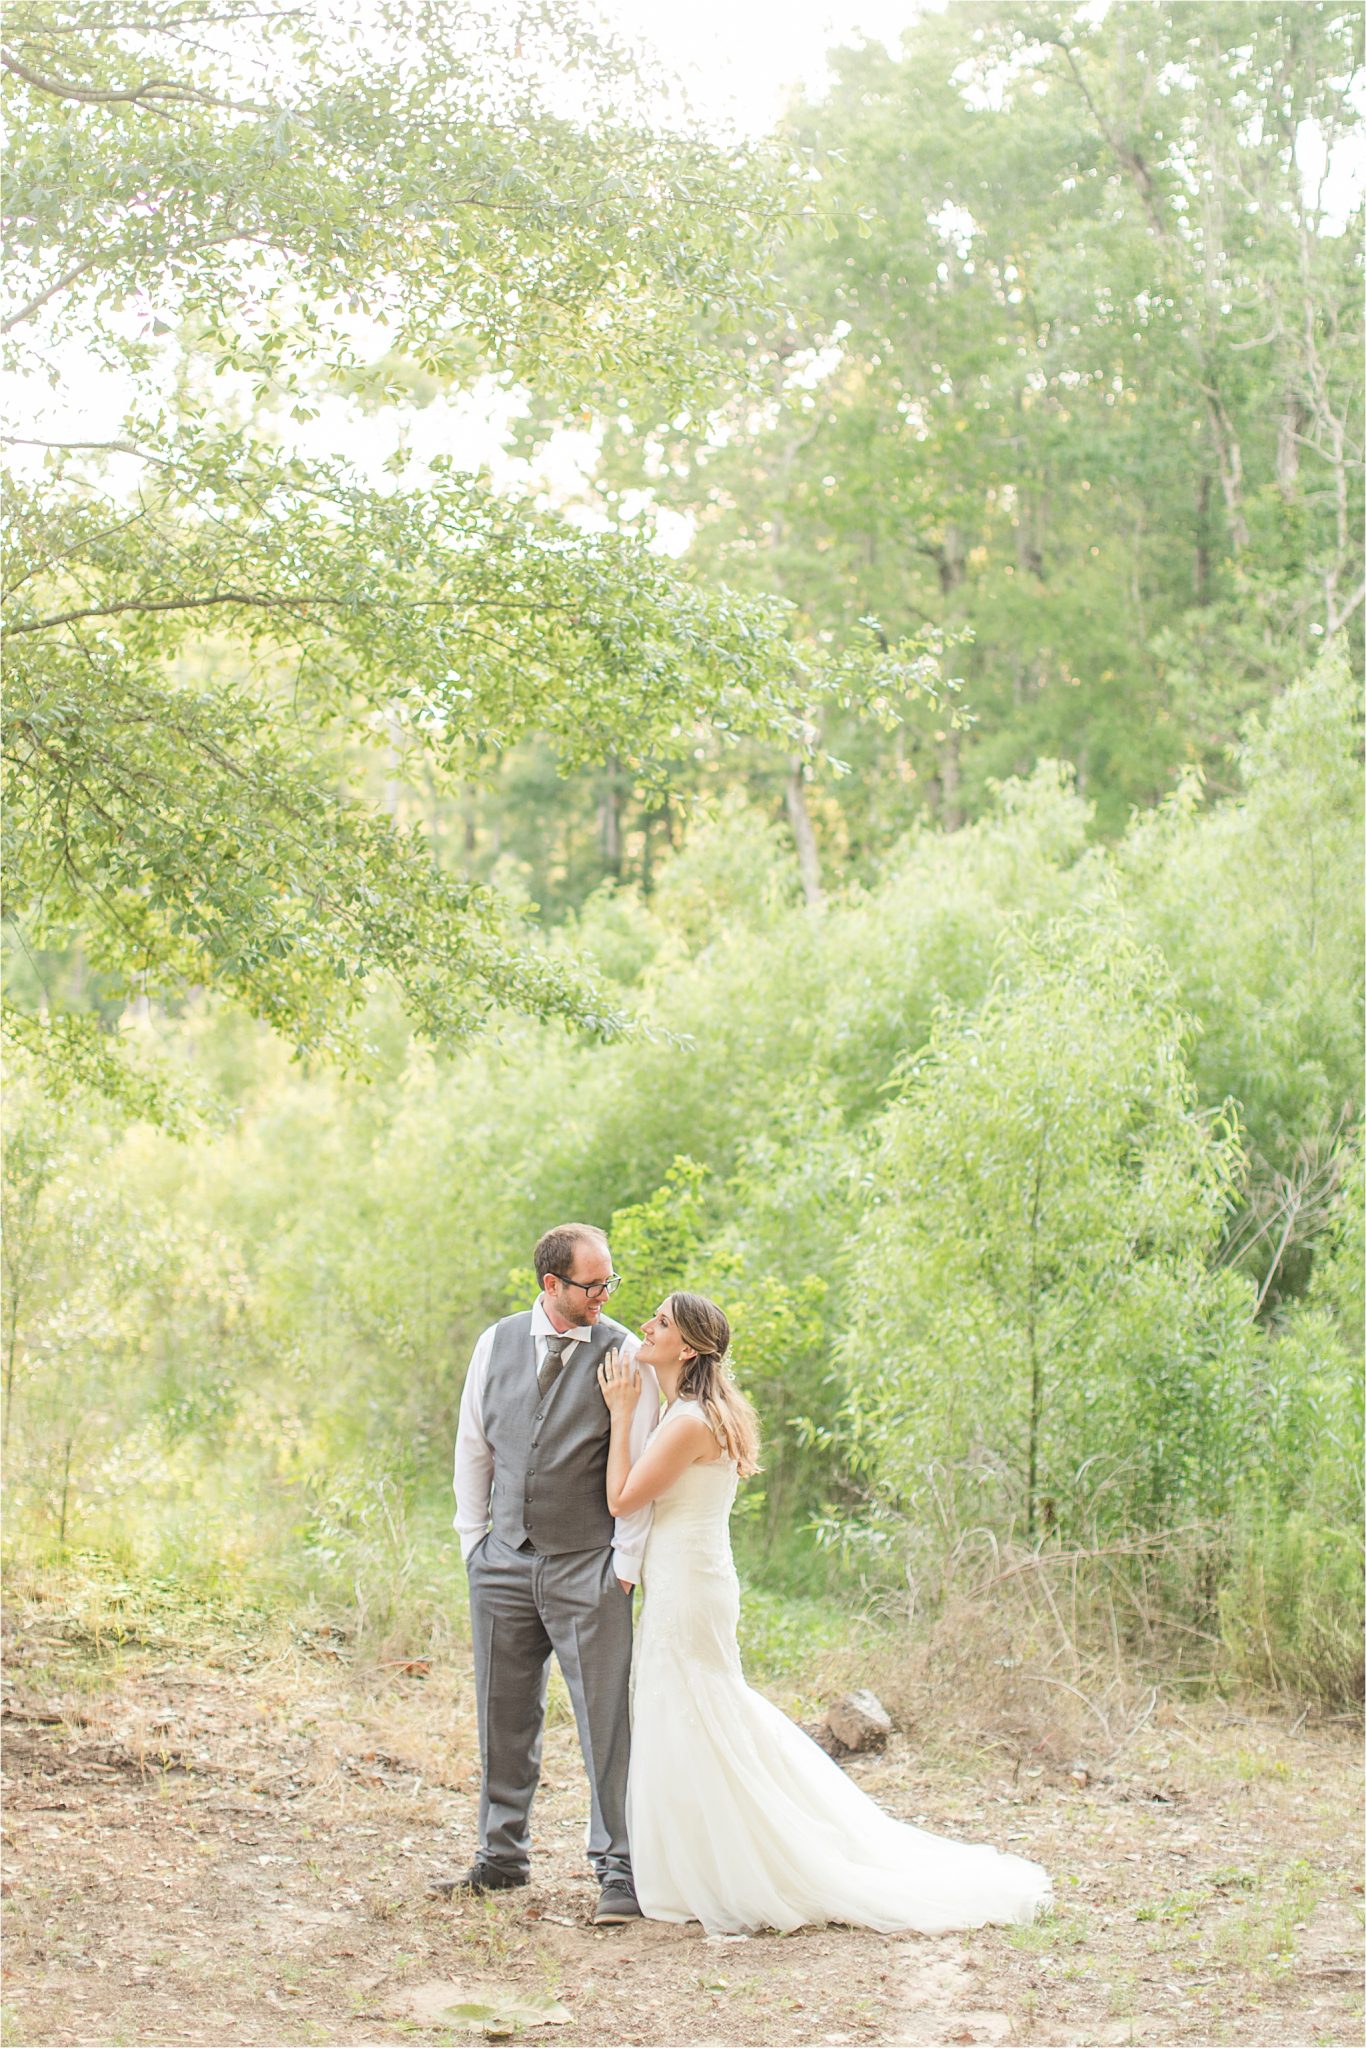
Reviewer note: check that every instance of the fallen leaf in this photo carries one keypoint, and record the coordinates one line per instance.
(509, 2016)
(491, 2009)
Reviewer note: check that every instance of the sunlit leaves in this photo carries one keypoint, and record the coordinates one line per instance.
(214, 638)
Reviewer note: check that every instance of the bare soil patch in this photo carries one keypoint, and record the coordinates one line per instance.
(226, 1843)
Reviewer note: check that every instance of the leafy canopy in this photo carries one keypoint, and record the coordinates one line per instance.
(218, 638)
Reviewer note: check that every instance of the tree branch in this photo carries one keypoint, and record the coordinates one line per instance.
(35, 305)
(151, 92)
(264, 601)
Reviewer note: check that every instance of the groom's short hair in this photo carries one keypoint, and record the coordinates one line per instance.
(555, 1251)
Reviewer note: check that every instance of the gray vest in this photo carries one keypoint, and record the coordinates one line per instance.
(550, 1452)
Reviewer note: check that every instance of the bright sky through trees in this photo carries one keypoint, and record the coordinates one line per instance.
(740, 63)
(741, 66)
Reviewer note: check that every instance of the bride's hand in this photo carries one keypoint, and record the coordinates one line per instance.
(619, 1380)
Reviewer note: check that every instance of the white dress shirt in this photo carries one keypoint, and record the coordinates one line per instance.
(474, 1453)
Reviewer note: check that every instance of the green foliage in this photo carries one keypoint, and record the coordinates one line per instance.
(499, 230)
(1258, 905)
(218, 639)
(1292, 1609)
(239, 1356)
(761, 1246)
(1076, 369)
(79, 1054)
(1037, 1321)
(928, 932)
(657, 1244)
(1016, 1134)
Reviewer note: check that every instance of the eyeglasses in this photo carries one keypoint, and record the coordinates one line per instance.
(594, 1289)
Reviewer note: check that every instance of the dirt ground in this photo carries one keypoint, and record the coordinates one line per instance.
(229, 1842)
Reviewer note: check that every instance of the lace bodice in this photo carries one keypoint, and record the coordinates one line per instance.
(695, 1512)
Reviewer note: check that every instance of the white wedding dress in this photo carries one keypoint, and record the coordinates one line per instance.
(736, 1818)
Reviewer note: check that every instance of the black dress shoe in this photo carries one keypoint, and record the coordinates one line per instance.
(617, 1903)
(480, 1877)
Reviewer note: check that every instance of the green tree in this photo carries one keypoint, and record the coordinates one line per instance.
(1257, 907)
(36, 1151)
(216, 637)
(1076, 371)
(1291, 1604)
(1036, 1316)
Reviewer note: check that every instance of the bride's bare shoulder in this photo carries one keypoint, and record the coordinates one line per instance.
(690, 1417)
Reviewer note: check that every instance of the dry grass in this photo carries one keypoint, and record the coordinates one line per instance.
(227, 1839)
(1056, 1657)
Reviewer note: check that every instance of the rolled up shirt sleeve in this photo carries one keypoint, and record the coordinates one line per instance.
(628, 1544)
(473, 1453)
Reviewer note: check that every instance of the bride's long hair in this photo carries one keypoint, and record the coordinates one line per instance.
(705, 1379)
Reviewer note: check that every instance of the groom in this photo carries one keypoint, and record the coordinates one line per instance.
(549, 1569)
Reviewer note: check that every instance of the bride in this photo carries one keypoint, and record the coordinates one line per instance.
(735, 1817)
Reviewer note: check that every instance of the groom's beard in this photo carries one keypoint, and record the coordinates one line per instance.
(584, 1316)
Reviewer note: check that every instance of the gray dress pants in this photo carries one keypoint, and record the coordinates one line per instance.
(523, 1606)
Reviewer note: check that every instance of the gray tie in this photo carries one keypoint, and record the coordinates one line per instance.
(552, 1365)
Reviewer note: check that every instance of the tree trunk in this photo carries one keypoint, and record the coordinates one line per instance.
(1320, 424)
(1291, 424)
(808, 853)
(1229, 456)
(1028, 540)
(1200, 580)
(609, 822)
(950, 810)
(66, 1494)
(1035, 1410)
(1338, 611)
(1035, 1361)
(11, 1346)
(951, 558)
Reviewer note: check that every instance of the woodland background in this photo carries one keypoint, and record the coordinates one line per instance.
(856, 788)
